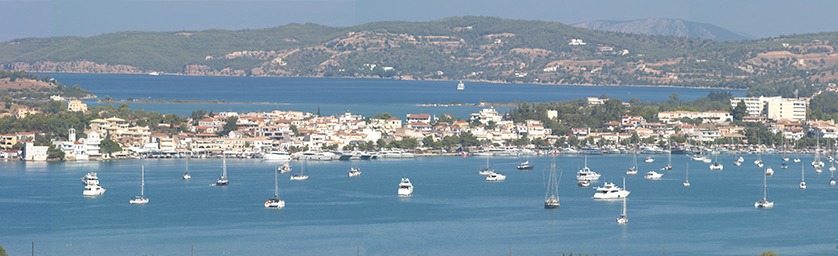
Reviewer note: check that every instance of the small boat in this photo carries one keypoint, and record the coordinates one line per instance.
(487, 170)
(405, 187)
(784, 166)
(653, 175)
(740, 159)
(769, 171)
(586, 173)
(686, 182)
(764, 203)
(611, 191)
(186, 175)
(818, 169)
(584, 183)
(648, 159)
(737, 163)
(666, 168)
(354, 171)
(274, 202)
(623, 219)
(796, 160)
(461, 86)
(90, 179)
(140, 199)
(525, 165)
(802, 177)
(223, 181)
(495, 177)
(284, 168)
(633, 169)
(716, 166)
(301, 176)
(551, 198)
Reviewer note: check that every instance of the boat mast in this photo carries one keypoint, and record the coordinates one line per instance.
(764, 188)
(669, 143)
(142, 181)
(224, 166)
(624, 207)
(276, 184)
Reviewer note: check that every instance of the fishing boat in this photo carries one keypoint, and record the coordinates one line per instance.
(764, 203)
(405, 187)
(223, 181)
(274, 202)
(551, 197)
(140, 199)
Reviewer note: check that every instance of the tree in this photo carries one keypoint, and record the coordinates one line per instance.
(740, 111)
(198, 115)
(230, 125)
(384, 116)
(429, 142)
(769, 253)
(54, 152)
(54, 107)
(109, 146)
(3, 252)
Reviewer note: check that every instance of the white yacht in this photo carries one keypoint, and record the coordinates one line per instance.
(140, 199)
(354, 171)
(495, 177)
(90, 179)
(769, 171)
(461, 86)
(623, 219)
(653, 175)
(301, 176)
(611, 191)
(648, 159)
(405, 187)
(93, 190)
(274, 202)
(277, 156)
(716, 166)
(551, 198)
(284, 168)
(396, 154)
(796, 160)
(586, 174)
(584, 183)
(319, 156)
(764, 203)
(525, 166)
(223, 181)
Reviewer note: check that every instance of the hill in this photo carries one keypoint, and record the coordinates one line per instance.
(664, 27)
(458, 48)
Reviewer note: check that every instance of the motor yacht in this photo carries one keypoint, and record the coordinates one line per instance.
(405, 187)
(495, 177)
(653, 175)
(610, 191)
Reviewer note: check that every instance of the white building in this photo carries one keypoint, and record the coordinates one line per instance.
(486, 115)
(34, 153)
(790, 109)
(713, 116)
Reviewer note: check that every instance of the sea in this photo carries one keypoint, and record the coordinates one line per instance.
(333, 96)
(453, 210)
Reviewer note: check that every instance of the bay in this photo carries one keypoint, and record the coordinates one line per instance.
(453, 211)
(338, 95)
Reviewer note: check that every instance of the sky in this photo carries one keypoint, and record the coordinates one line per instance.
(44, 18)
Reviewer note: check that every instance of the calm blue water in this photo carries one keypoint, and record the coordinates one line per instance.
(453, 210)
(337, 95)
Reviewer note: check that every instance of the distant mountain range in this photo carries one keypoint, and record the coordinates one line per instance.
(664, 27)
(457, 48)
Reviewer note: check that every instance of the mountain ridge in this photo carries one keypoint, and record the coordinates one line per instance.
(666, 27)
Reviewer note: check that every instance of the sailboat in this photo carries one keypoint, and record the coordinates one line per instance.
(140, 199)
(802, 177)
(223, 181)
(526, 165)
(785, 158)
(764, 203)
(633, 169)
(186, 175)
(274, 202)
(551, 198)
(817, 163)
(623, 219)
(832, 178)
(302, 175)
(487, 170)
(686, 182)
(669, 162)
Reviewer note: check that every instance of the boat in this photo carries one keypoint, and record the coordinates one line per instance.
(487, 170)
(186, 175)
(586, 173)
(817, 163)
(405, 187)
(301, 176)
(796, 160)
(495, 177)
(784, 165)
(274, 202)
(686, 182)
(669, 157)
(284, 168)
(740, 159)
(818, 169)
(90, 179)
(769, 171)
(584, 183)
(395, 154)
(354, 171)
(623, 219)
(318, 156)
(648, 159)
(525, 166)
(223, 181)
(653, 175)
(802, 177)
(93, 190)
(461, 86)
(832, 178)
(716, 166)
(764, 203)
(140, 199)
(551, 197)
(277, 156)
(611, 191)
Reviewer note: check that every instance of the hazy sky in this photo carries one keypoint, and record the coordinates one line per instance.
(42, 18)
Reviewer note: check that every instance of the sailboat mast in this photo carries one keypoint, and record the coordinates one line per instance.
(764, 188)
(276, 184)
(224, 166)
(142, 180)
(624, 206)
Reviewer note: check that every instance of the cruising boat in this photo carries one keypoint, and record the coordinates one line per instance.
(633, 169)
(623, 219)
(93, 190)
(525, 165)
(405, 187)
(495, 177)
(764, 203)
(284, 168)
(802, 177)
(277, 156)
(716, 166)
(223, 181)
(686, 182)
(186, 175)
(301, 176)
(586, 174)
(90, 179)
(140, 199)
(611, 191)
(274, 202)
(653, 175)
(551, 198)
(461, 86)
(354, 171)
(769, 171)
(648, 159)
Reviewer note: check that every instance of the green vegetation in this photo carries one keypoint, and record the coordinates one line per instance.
(769, 253)
(109, 147)
(3, 252)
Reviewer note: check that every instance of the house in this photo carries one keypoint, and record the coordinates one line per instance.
(34, 153)
(425, 118)
(76, 106)
(7, 141)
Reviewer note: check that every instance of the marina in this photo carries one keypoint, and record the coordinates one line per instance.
(321, 215)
